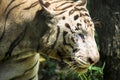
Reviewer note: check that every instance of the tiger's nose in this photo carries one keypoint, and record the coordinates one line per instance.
(92, 59)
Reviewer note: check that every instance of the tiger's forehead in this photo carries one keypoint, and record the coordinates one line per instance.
(48, 3)
(66, 12)
(73, 11)
(57, 7)
(76, 20)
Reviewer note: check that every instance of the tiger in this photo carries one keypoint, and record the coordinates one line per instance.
(60, 29)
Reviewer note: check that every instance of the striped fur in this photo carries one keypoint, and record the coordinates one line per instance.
(61, 29)
(19, 59)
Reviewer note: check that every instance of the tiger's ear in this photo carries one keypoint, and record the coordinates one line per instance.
(45, 3)
(49, 7)
(82, 2)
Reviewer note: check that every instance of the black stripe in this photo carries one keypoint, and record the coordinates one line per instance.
(73, 40)
(64, 35)
(82, 36)
(64, 39)
(76, 17)
(56, 1)
(21, 60)
(16, 77)
(3, 33)
(71, 11)
(60, 13)
(79, 24)
(63, 4)
(60, 55)
(48, 37)
(68, 44)
(15, 43)
(12, 9)
(66, 7)
(86, 14)
(75, 50)
(68, 26)
(47, 4)
(32, 77)
(81, 9)
(32, 67)
(58, 32)
(32, 5)
(77, 9)
(8, 6)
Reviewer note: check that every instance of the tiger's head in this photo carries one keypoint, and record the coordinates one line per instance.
(70, 37)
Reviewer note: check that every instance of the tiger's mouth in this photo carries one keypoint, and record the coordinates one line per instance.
(79, 66)
(80, 70)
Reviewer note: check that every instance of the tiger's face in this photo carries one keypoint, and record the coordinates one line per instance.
(70, 37)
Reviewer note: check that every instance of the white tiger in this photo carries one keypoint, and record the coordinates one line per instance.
(62, 29)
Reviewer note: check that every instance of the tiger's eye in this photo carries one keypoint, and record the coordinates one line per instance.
(82, 36)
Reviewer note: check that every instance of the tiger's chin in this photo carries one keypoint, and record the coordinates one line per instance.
(81, 71)
(78, 67)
